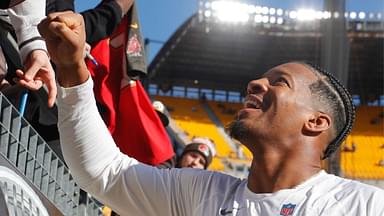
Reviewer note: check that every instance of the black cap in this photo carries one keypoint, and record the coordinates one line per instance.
(200, 148)
(161, 112)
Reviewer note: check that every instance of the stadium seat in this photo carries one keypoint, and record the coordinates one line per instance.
(192, 118)
(363, 163)
(226, 112)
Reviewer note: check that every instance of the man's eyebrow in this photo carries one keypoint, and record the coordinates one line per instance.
(278, 71)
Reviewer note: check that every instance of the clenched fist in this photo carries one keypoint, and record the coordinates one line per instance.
(65, 38)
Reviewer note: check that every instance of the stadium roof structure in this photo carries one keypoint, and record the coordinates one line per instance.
(206, 53)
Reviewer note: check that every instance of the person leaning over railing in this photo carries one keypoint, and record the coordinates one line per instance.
(37, 70)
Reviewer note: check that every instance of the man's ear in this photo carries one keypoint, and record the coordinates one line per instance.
(318, 122)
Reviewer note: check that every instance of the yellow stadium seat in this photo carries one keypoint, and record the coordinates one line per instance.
(368, 137)
(223, 111)
(191, 117)
(363, 162)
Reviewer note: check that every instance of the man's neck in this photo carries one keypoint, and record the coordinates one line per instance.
(273, 173)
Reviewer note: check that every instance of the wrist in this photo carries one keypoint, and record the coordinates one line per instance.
(72, 66)
(72, 74)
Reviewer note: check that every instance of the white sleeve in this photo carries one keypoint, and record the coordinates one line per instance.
(24, 18)
(374, 203)
(129, 187)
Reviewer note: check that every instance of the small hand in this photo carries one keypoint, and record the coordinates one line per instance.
(38, 71)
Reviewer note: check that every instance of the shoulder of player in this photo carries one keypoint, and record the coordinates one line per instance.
(348, 187)
(331, 185)
(340, 195)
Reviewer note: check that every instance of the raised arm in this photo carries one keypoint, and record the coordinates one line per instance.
(89, 150)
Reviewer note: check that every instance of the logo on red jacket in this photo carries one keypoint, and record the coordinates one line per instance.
(134, 46)
(287, 209)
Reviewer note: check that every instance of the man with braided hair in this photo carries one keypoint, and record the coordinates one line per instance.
(331, 96)
(293, 117)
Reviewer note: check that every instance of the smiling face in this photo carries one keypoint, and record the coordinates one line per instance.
(276, 108)
(193, 159)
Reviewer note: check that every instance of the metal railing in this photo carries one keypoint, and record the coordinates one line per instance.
(31, 155)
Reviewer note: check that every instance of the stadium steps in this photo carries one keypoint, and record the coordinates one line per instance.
(178, 133)
(23, 150)
(220, 127)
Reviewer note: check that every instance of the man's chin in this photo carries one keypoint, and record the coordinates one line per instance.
(237, 130)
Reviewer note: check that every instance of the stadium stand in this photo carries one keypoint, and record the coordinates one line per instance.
(226, 112)
(210, 55)
(363, 160)
(189, 116)
(369, 121)
(363, 163)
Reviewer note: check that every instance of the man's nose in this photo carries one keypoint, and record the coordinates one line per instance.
(257, 86)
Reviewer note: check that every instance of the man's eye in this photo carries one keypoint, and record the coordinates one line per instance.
(281, 81)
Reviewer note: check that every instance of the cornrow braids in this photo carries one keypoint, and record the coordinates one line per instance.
(338, 103)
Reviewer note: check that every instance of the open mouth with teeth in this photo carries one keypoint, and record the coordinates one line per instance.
(253, 102)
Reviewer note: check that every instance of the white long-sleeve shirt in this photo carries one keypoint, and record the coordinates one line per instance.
(24, 18)
(132, 188)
